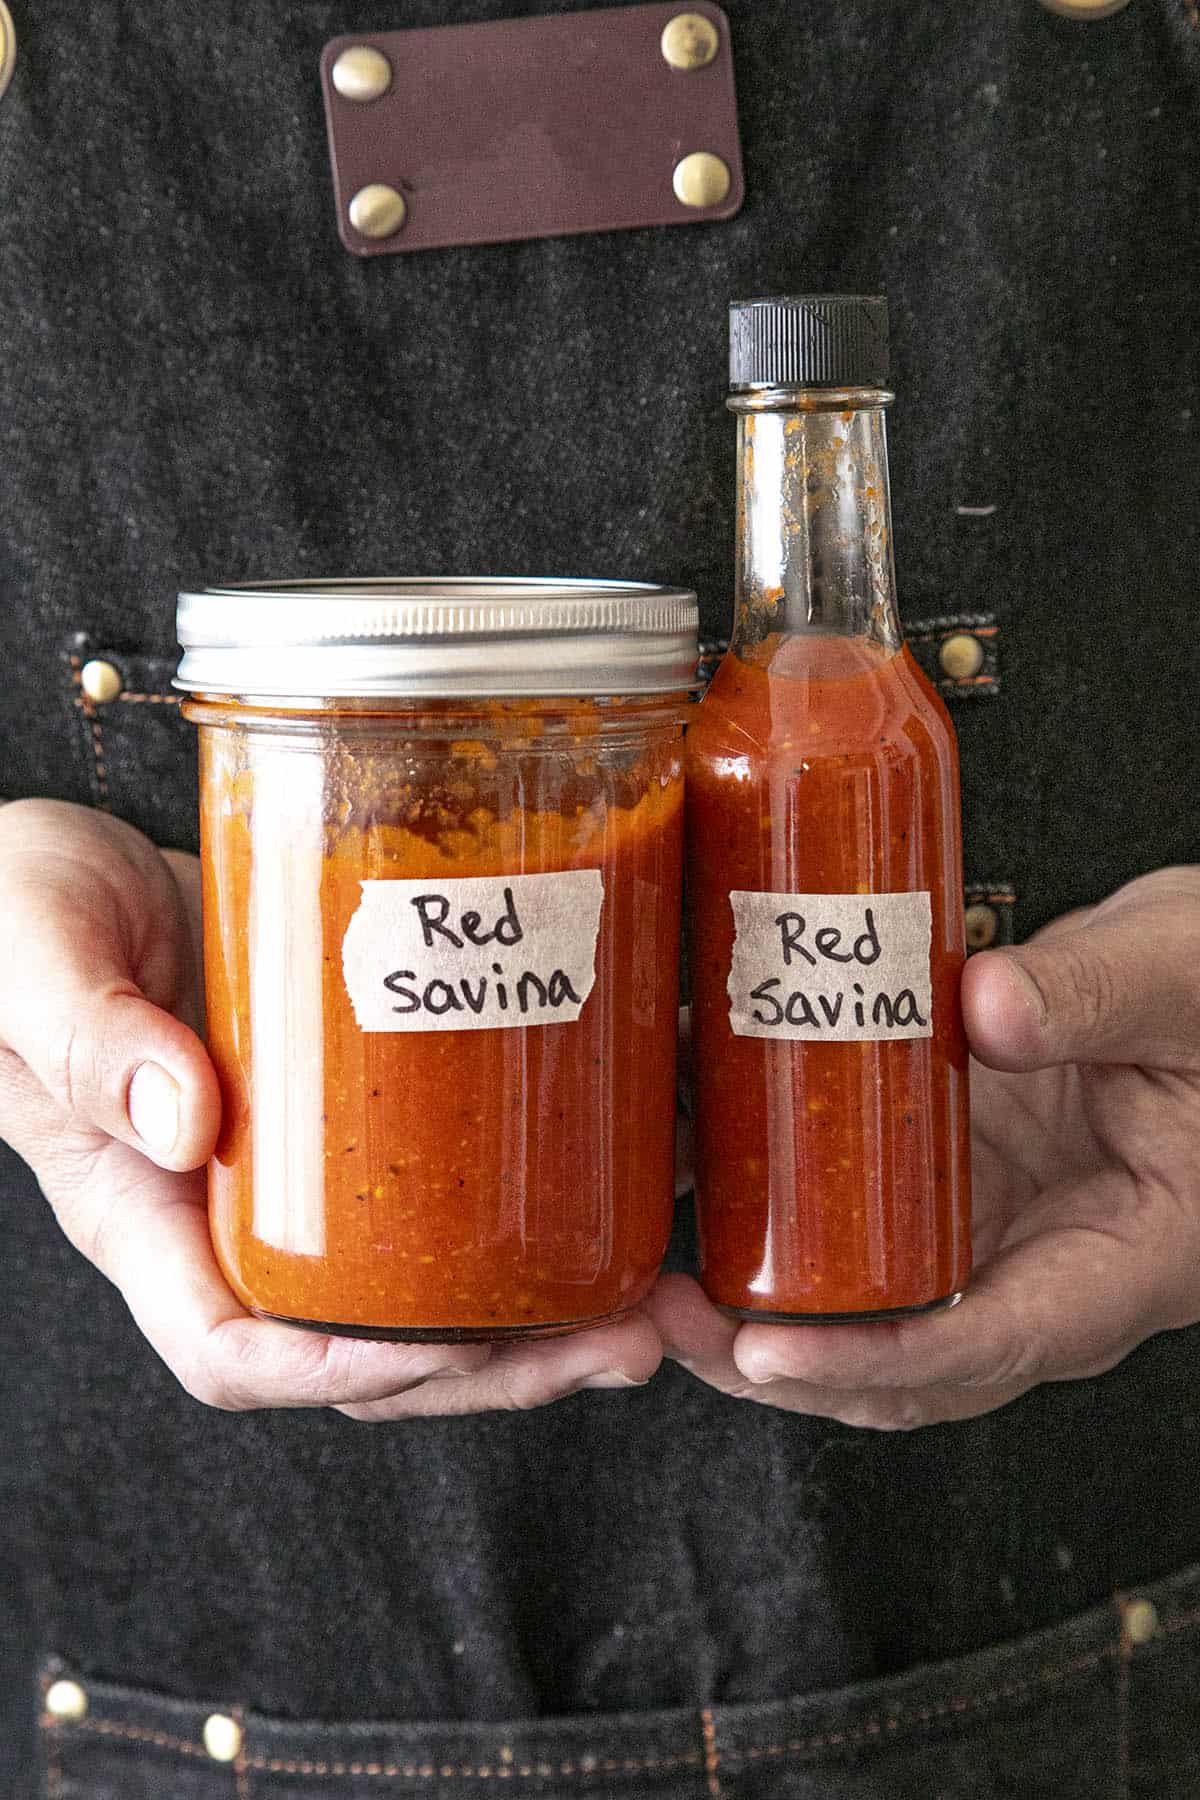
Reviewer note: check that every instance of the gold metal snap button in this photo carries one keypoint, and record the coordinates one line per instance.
(1140, 1619)
(361, 73)
(378, 211)
(8, 47)
(223, 1737)
(1085, 9)
(981, 924)
(701, 179)
(961, 656)
(66, 1700)
(100, 681)
(690, 41)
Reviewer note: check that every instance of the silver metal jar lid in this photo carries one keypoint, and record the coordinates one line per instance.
(439, 637)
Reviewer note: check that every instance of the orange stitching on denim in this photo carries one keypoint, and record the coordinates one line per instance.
(138, 1734)
(1181, 1621)
(585, 1765)
(152, 699)
(712, 1756)
(97, 735)
(943, 632)
(54, 1781)
(925, 631)
(53, 1765)
(635, 1765)
(283, 1765)
(959, 1705)
(162, 1740)
(240, 1770)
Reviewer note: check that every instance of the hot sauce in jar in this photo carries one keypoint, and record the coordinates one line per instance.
(441, 924)
(824, 868)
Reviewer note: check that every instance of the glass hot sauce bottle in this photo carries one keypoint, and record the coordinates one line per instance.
(824, 867)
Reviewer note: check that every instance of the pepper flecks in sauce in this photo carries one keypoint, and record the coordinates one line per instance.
(453, 1182)
(832, 1177)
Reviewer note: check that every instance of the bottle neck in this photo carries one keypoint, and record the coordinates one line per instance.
(814, 527)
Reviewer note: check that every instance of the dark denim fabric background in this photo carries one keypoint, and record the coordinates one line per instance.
(198, 383)
(1074, 1710)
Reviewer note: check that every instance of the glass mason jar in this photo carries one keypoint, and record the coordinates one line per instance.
(441, 836)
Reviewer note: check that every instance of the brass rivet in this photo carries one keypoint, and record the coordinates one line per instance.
(100, 681)
(223, 1737)
(961, 656)
(1085, 9)
(702, 179)
(690, 41)
(8, 47)
(361, 73)
(377, 211)
(981, 925)
(1140, 1619)
(66, 1700)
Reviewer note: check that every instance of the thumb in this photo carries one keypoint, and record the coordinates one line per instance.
(73, 1012)
(1123, 988)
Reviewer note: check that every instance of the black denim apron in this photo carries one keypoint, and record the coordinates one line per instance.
(665, 1592)
(1094, 1707)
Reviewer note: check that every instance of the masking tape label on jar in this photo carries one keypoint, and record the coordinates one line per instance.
(831, 967)
(473, 953)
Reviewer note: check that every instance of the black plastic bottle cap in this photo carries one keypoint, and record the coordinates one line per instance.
(809, 340)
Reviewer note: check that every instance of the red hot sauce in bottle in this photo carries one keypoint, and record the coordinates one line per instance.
(824, 868)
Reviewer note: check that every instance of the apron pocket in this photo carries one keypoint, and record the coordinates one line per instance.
(1097, 1708)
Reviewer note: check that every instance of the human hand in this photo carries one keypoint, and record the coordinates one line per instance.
(107, 1092)
(1086, 1121)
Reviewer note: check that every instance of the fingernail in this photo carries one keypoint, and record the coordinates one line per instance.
(153, 1107)
(1030, 992)
(612, 1378)
(451, 1369)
